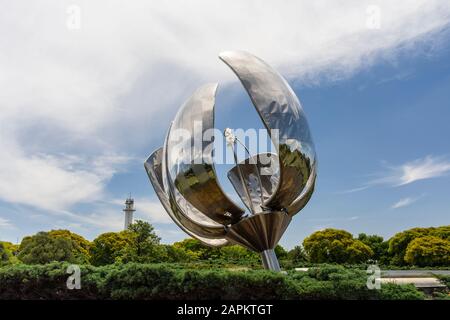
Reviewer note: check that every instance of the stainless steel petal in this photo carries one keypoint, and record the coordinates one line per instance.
(190, 164)
(280, 109)
(153, 166)
(186, 208)
(261, 166)
(259, 232)
(304, 197)
(199, 227)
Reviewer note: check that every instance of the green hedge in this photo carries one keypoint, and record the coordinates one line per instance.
(445, 280)
(163, 281)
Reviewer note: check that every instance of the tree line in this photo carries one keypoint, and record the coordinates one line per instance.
(422, 247)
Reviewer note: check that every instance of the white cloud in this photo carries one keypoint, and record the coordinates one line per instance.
(54, 182)
(98, 90)
(407, 201)
(105, 216)
(5, 223)
(102, 220)
(404, 202)
(99, 217)
(152, 210)
(419, 169)
(353, 190)
(108, 215)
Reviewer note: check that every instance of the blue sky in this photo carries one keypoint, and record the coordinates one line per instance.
(78, 121)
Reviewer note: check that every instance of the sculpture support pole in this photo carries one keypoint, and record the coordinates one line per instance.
(270, 261)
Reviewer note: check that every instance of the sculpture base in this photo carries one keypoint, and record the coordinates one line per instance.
(270, 261)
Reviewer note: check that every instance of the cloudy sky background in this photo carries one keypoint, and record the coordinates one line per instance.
(88, 90)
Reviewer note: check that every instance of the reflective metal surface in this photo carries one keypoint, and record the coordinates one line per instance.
(153, 166)
(198, 224)
(190, 163)
(256, 169)
(304, 197)
(274, 187)
(259, 232)
(269, 260)
(279, 108)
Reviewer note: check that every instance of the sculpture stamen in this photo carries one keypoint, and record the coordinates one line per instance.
(231, 141)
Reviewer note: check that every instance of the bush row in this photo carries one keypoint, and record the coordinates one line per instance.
(164, 281)
(422, 247)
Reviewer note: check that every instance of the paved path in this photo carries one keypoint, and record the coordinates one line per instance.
(418, 282)
(419, 278)
(413, 273)
(404, 273)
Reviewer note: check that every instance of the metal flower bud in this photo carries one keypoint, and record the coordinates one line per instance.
(186, 183)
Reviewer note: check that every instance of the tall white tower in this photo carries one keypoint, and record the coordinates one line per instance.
(129, 209)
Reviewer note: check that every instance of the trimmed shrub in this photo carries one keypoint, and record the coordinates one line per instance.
(445, 280)
(164, 281)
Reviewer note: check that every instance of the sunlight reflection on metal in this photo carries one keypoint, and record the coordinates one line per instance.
(153, 168)
(274, 187)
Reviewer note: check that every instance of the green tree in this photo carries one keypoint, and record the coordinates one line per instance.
(176, 254)
(81, 246)
(442, 232)
(428, 251)
(336, 246)
(144, 246)
(357, 252)
(8, 253)
(41, 248)
(197, 250)
(398, 244)
(297, 255)
(280, 252)
(110, 247)
(5, 255)
(237, 254)
(11, 247)
(378, 246)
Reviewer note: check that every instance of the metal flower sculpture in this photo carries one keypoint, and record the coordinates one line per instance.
(186, 182)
